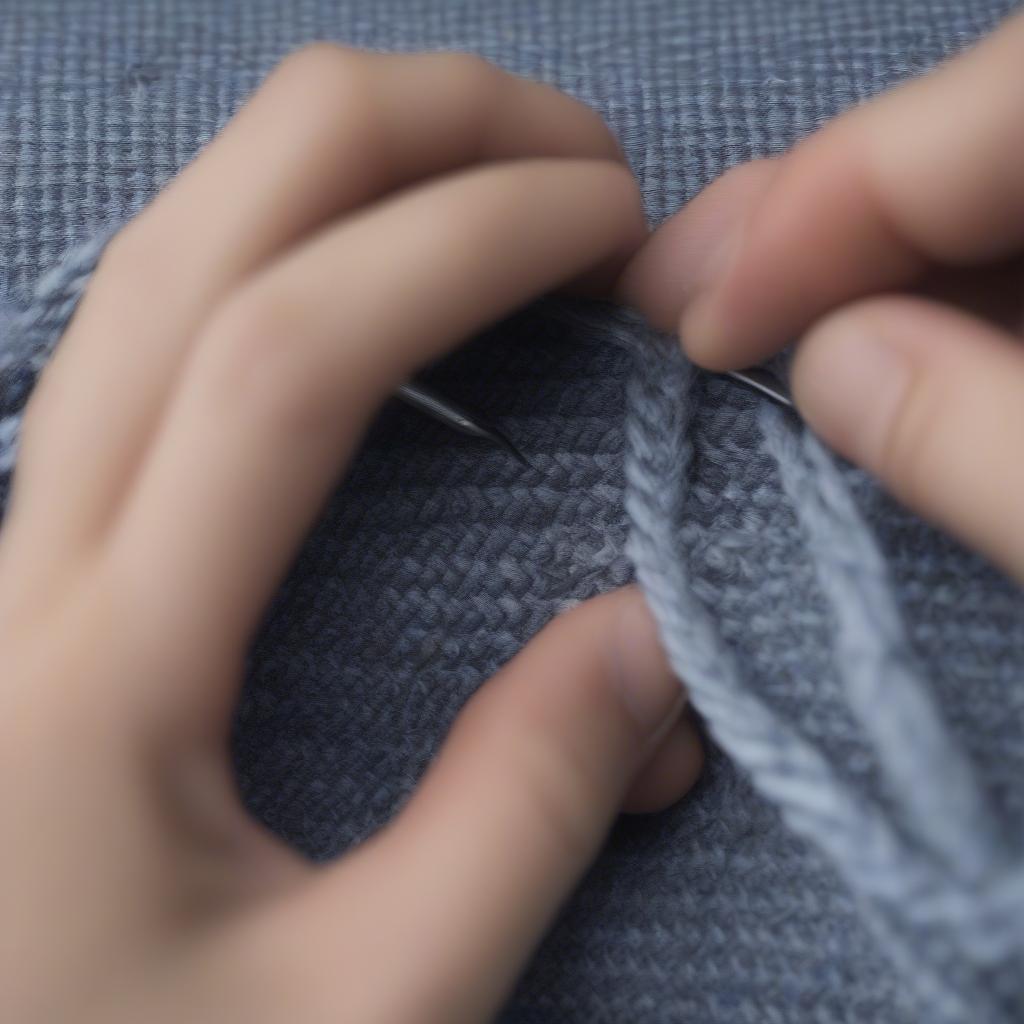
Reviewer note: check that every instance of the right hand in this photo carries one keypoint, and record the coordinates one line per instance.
(892, 244)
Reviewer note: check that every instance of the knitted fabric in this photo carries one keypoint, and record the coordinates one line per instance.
(854, 854)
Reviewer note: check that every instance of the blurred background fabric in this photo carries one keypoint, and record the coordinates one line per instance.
(436, 559)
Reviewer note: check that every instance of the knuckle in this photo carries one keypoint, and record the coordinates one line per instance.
(475, 91)
(251, 360)
(471, 87)
(316, 62)
(247, 336)
(320, 73)
(329, 94)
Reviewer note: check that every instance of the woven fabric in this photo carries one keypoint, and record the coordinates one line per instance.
(435, 560)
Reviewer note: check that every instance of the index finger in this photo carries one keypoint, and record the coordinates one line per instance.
(927, 175)
(289, 371)
(332, 130)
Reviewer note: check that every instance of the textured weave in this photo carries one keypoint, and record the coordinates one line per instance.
(941, 880)
(436, 560)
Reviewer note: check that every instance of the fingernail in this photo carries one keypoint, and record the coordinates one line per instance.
(650, 692)
(849, 380)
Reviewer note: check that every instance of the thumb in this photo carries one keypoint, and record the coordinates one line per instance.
(684, 255)
(928, 399)
(506, 821)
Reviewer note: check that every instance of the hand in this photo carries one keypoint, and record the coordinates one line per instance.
(921, 191)
(361, 215)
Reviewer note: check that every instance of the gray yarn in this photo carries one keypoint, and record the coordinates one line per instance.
(960, 898)
(878, 667)
(860, 672)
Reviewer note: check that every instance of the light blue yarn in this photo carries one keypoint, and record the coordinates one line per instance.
(939, 880)
(438, 562)
(942, 884)
(877, 665)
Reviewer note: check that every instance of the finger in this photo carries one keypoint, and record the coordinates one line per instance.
(929, 400)
(289, 371)
(667, 272)
(448, 902)
(870, 203)
(332, 129)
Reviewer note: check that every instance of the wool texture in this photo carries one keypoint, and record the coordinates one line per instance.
(854, 852)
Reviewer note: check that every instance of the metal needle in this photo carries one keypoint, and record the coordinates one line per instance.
(456, 416)
(453, 415)
(766, 383)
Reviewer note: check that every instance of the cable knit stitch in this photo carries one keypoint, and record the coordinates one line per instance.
(945, 886)
(859, 669)
(941, 882)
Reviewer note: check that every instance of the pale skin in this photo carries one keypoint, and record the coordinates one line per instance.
(891, 245)
(361, 215)
(415, 199)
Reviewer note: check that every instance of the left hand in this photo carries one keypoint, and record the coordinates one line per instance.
(360, 216)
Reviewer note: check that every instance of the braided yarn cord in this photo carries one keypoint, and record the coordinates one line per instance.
(853, 852)
(939, 879)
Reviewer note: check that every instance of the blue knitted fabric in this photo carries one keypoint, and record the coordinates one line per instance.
(854, 852)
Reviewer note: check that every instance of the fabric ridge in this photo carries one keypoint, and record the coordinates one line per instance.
(854, 852)
(942, 882)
